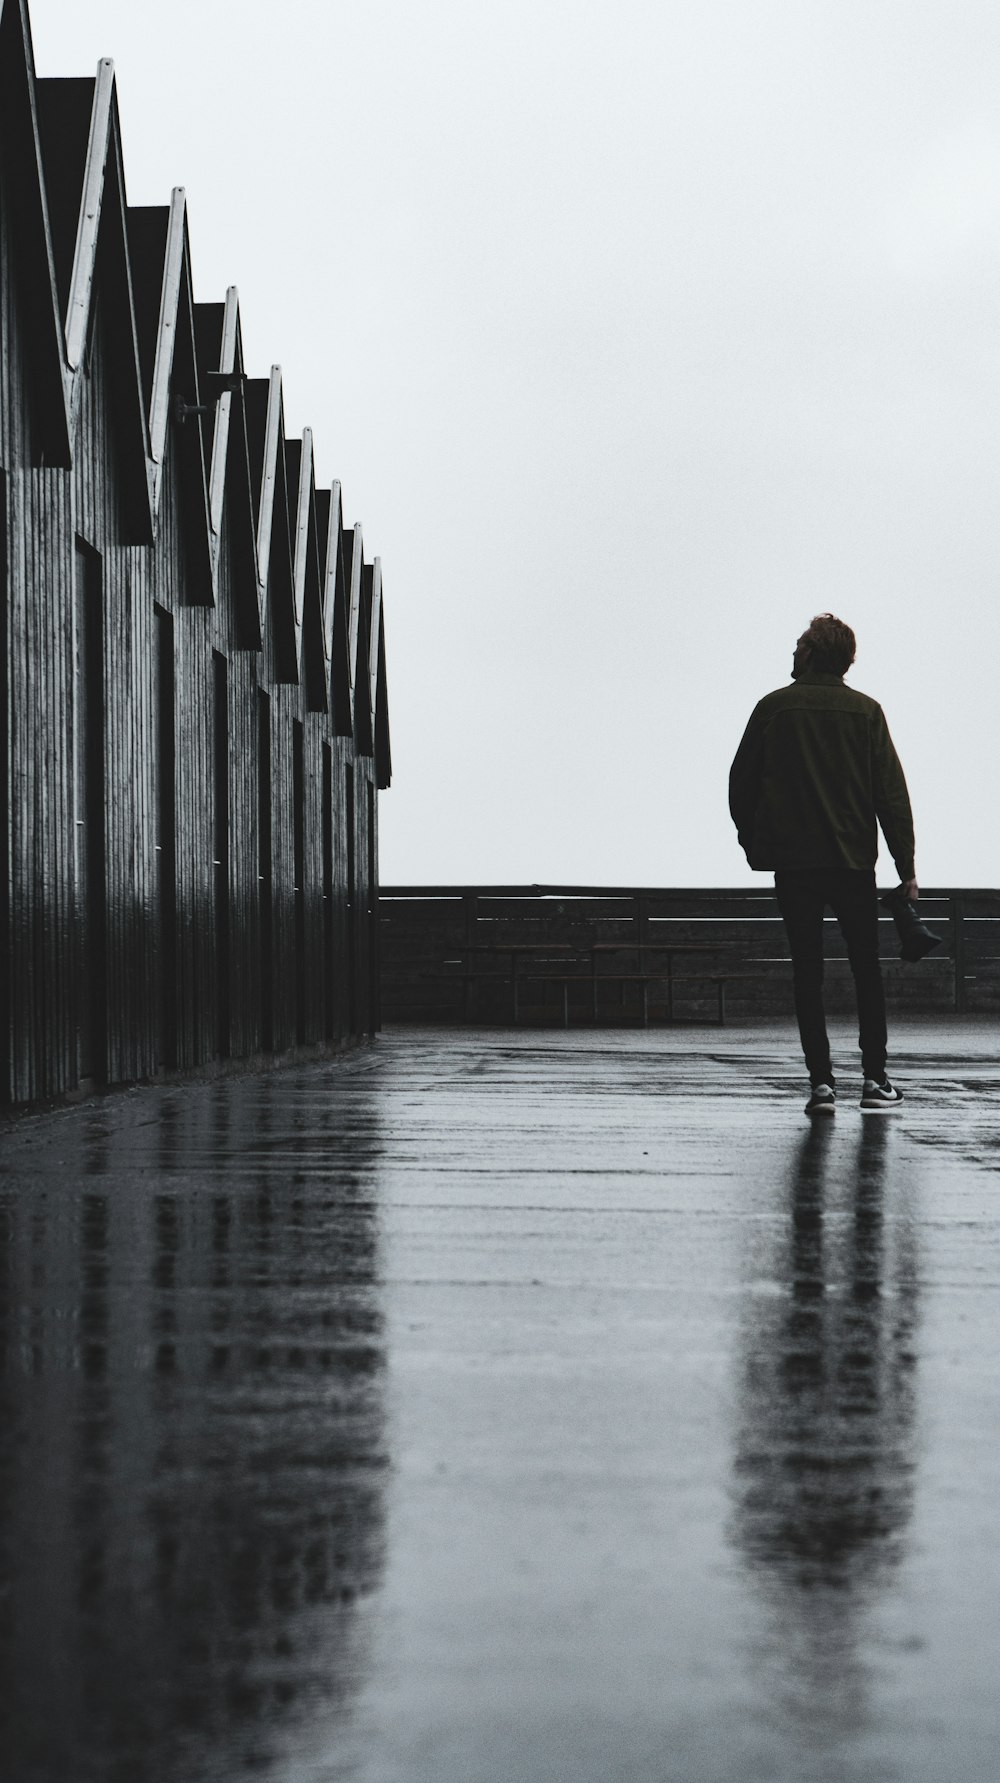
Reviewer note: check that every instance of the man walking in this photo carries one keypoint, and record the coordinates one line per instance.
(815, 771)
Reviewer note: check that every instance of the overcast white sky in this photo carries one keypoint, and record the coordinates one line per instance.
(637, 334)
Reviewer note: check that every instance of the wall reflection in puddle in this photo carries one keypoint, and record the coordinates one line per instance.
(825, 1461)
(191, 1478)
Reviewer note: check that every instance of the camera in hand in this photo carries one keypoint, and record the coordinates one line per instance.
(916, 938)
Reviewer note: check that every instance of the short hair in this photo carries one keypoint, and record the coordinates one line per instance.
(832, 643)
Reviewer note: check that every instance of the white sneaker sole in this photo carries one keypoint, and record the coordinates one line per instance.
(881, 1107)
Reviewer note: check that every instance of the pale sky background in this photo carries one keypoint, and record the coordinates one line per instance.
(637, 334)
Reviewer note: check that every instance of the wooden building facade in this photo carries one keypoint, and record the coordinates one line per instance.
(193, 716)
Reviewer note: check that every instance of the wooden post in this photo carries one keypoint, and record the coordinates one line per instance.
(642, 936)
(469, 985)
(958, 952)
(642, 922)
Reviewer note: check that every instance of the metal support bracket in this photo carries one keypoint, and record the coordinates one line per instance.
(218, 383)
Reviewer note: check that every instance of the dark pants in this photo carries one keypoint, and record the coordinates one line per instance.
(803, 895)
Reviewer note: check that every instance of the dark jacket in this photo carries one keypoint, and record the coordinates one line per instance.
(814, 771)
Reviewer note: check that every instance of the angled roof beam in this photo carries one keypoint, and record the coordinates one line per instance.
(364, 730)
(374, 630)
(85, 252)
(378, 681)
(166, 336)
(275, 524)
(268, 487)
(220, 440)
(354, 614)
(300, 540)
(335, 618)
(223, 417)
(332, 566)
(230, 480)
(307, 585)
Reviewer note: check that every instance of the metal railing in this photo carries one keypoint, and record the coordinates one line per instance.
(615, 955)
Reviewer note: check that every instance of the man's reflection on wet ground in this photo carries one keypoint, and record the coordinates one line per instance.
(825, 1463)
(192, 1470)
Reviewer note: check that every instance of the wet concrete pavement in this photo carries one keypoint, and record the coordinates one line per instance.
(560, 1408)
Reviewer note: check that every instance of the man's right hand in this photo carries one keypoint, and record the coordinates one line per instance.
(911, 889)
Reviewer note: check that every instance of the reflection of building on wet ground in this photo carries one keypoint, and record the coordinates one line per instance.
(826, 1451)
(193, 1466)
(537, 1405)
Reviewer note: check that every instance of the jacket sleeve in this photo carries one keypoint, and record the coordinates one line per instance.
(892, 801)
(744, 781)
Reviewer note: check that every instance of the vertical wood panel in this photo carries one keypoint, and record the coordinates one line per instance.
(265, 869)
(6, 1084)
(164, 995)
(220, 849)
(351, 895)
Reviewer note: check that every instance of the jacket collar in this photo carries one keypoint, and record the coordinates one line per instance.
(813, 678)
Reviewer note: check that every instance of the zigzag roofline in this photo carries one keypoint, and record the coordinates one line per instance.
(62, 352)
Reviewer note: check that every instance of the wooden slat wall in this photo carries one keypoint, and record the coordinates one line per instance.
(6, 849)
(283, 870)
(39, 946)
(343, 757)
(52, 522)
(244, 928)
(430, 936)
(15, 415)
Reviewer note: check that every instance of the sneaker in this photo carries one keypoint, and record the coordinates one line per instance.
(875, 1097)
(823, 1099)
